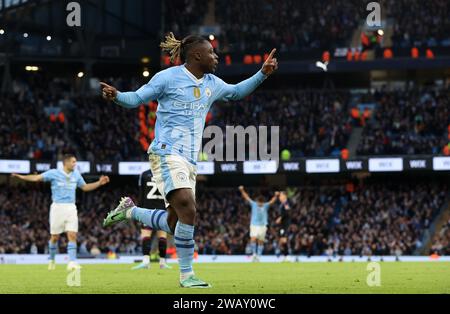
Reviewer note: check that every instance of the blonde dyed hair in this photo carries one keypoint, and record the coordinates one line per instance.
(177, 49)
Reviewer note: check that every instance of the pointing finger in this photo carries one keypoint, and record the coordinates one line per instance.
(271, 54)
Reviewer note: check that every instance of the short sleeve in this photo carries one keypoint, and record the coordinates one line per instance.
(223, 91)
(48, 175)
(80, 180)
(154, 89)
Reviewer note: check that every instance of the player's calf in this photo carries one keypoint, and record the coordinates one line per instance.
(127, 210)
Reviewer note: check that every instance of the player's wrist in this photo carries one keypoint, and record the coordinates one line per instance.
(116, 97)
(265, 75)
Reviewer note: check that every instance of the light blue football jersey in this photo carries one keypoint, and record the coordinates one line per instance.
(259, 214)
(63, 185)
(184, 102)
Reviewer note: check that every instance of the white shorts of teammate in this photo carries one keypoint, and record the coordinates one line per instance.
(63, 218)
(258, 232)
(172, 172)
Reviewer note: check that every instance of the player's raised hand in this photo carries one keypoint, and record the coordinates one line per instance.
(108, 92)
(103, 180)
(271, 64)
(241, 188)
(15, 175)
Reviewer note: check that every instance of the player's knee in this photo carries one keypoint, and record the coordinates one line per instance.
(72, 236)
(188, 213)
(186, 202)
(183, 202)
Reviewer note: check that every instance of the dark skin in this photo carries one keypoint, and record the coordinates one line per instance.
(200, 60)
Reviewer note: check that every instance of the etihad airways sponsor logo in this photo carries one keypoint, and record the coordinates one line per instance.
(190, 105)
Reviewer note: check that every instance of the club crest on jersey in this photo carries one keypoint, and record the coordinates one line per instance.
(208, 92)
(197, 92)
(181, 176)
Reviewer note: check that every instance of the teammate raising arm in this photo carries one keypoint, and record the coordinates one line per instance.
(63, 211)
(259, 221)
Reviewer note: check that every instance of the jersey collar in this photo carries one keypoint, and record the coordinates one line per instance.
(65, 174)
(192, 76)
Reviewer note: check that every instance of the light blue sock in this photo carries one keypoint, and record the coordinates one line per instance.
(253, 247)
(72, 251)
(154, 218)
(260, 249)
(52, 248)
(184, 242)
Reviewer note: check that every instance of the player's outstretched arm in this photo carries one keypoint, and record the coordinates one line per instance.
(127, 99)
(246, 87)
(153, 90)
(95, 185)
(29, 177)
(274, 198)
(244, 194)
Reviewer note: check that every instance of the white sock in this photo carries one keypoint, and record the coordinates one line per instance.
(186, 275)
(162, 261)
(128, 213)
(146, 259)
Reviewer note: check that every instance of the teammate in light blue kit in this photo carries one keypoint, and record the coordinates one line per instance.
(184, 93)
(63, 211)
(258, 222)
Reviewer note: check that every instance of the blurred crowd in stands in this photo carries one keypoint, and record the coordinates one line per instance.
(409, 121)
(249, 26)
(352, 219)
(255, 26)
(42, 119)
(420, 23)
(312, 123)
(441, 241)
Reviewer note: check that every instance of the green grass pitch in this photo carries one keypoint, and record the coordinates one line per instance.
(257, 278)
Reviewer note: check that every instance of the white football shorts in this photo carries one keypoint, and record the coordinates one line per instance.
(172, 172)
(258, 232)
(63, 218)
